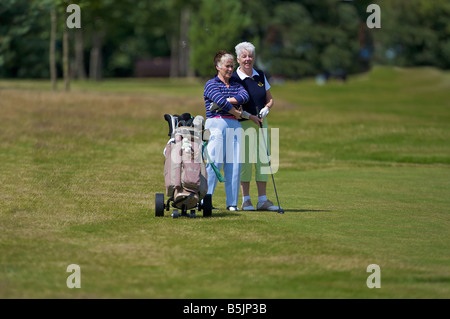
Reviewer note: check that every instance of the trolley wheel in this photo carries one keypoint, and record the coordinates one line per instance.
(159, 205)
(207, 205)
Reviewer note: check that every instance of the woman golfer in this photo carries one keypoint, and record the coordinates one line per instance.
(222, 120)
(260, 103)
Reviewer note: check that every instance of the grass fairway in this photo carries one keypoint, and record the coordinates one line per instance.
(363, 177)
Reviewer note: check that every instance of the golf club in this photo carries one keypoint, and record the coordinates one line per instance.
(214, 107)
(280, 210)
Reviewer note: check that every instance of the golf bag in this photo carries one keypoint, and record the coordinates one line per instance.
(185, 174)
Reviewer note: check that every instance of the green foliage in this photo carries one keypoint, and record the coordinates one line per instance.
(23, 39)
(415, 32)
(305, 42)
(293, 39)
(215, 26)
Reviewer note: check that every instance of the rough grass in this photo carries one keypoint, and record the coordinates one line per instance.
(364, 179)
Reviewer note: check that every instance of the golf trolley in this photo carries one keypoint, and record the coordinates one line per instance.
(161, 206)
(184, 168)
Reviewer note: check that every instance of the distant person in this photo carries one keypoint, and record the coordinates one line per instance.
(260, 104)
(222, 120)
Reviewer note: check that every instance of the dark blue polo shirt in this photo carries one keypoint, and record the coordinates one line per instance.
(256, 88)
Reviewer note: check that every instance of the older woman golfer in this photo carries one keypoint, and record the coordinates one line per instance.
(222, 120)
(260, 103)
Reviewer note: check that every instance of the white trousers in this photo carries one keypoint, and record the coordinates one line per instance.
(224, 149)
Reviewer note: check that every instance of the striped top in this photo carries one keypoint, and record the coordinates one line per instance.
(217, 91)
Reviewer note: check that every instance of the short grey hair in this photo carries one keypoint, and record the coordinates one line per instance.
(247, 46)
(221, 57)
(224, 59)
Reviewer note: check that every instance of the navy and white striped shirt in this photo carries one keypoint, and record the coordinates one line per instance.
(217, 91)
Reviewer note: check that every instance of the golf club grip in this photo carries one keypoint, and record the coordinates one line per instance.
(259, 116)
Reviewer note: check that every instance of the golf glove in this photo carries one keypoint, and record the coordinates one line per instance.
(264, 112)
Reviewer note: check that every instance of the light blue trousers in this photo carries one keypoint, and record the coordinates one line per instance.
(224, 151)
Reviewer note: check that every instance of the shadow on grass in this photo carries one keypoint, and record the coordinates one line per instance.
(229, 214)
(307, 210)
(199, 214)
(239, 213)
(224, 214)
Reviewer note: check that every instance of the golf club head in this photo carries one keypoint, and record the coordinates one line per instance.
(280, 211)
(199, 121)
(213, 107)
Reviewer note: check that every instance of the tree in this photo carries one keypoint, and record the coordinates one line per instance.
(174, 17)
(52, 55)
(58, 9)
(294, 38)
(310, 37)
(66, 71)
(215, 26)
(415, 32)
(24, 39)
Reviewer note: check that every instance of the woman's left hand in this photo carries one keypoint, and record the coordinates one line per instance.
(264, 112)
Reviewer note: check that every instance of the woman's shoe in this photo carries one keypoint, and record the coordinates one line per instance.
(267, 205)
(247, 205)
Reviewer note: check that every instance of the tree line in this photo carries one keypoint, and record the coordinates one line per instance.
(294, 39)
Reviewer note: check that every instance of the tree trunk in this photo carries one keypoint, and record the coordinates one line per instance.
(184, 42)
(66, 72)
(79, 70)
(180, 48)
(52, 57)
(174, 56)
(95, 64)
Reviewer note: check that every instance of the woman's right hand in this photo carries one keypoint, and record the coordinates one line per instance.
(255, 119)
(237, 113)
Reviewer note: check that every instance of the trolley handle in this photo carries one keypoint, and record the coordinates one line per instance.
(168, 118)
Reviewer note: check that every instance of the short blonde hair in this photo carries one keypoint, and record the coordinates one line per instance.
(247, 46)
